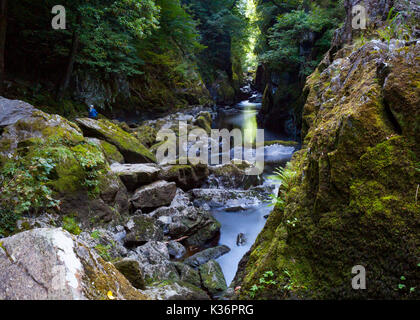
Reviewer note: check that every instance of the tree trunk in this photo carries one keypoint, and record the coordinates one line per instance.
(72, 58)
(3, 27)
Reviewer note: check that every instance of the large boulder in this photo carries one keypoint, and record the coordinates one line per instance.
(11, 111)
(154, 261)
(157, 194)
(232, 176)
(62, 166)
(130, 147)
(136, 175)
(142, 229)
(52, 264)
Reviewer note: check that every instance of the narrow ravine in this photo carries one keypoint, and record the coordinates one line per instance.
(240, 228)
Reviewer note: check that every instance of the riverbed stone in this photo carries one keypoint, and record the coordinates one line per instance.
(176, 249)
(142, 228)
(136, 175)
(186, 177)
(157, 194)
(188, 274)
(212, 278)
(154, 261)
(206, 255)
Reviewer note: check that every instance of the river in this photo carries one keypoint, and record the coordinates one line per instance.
(252, 220)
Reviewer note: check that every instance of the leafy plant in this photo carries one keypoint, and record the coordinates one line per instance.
(96, 234)
(285, 177)
(70, 224)
(264, 282)
(24, 188)
(104, 251)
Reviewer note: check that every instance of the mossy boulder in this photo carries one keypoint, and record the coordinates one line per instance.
(78, 172)
(143, 228)
(110, 151)
(353, 199)
(131, 270)
(130, 147)
(146, 135)
(51, 264)
(204, 121)
(212, 278)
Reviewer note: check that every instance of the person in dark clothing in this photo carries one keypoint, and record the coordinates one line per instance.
(93, 114)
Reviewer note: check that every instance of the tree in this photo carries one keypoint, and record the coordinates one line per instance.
(104, 34)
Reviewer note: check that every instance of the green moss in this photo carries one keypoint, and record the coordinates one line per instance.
(70, 224)
(111, 152)
(354, 199)
(146, 135)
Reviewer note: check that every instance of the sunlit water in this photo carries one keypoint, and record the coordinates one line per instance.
(250, 222)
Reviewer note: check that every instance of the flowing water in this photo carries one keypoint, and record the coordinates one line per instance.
(252, 220)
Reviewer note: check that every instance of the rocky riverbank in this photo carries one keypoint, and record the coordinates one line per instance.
(103, 216)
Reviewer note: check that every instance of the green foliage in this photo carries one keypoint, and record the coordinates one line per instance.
(24, 188)
(285, 177)
(288, 35)
(96, 234)
(395, 28)
(93, 163)
(103, 251)
(70, 224)
(266, 281)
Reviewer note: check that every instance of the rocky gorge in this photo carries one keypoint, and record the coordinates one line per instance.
(88, 211)
(145, 230)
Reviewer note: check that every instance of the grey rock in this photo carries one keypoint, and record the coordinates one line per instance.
(154, 261)
(157, 194)
(51, 264)
(204, 256)
(176, 250)
(188, 274)
(136, 175)
(11, 111)
(142, 229)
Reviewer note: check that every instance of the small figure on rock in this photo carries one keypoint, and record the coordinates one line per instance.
(93, 114)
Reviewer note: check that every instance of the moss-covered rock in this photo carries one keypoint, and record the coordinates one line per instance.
(53, 264)
(353, 199)
(131, 270)
(131, 148)
(212, 278)
(146, 135)
(185, 176)
(75, 170)
(204, 121)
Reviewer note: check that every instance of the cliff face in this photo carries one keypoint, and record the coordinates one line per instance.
(352, 195)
